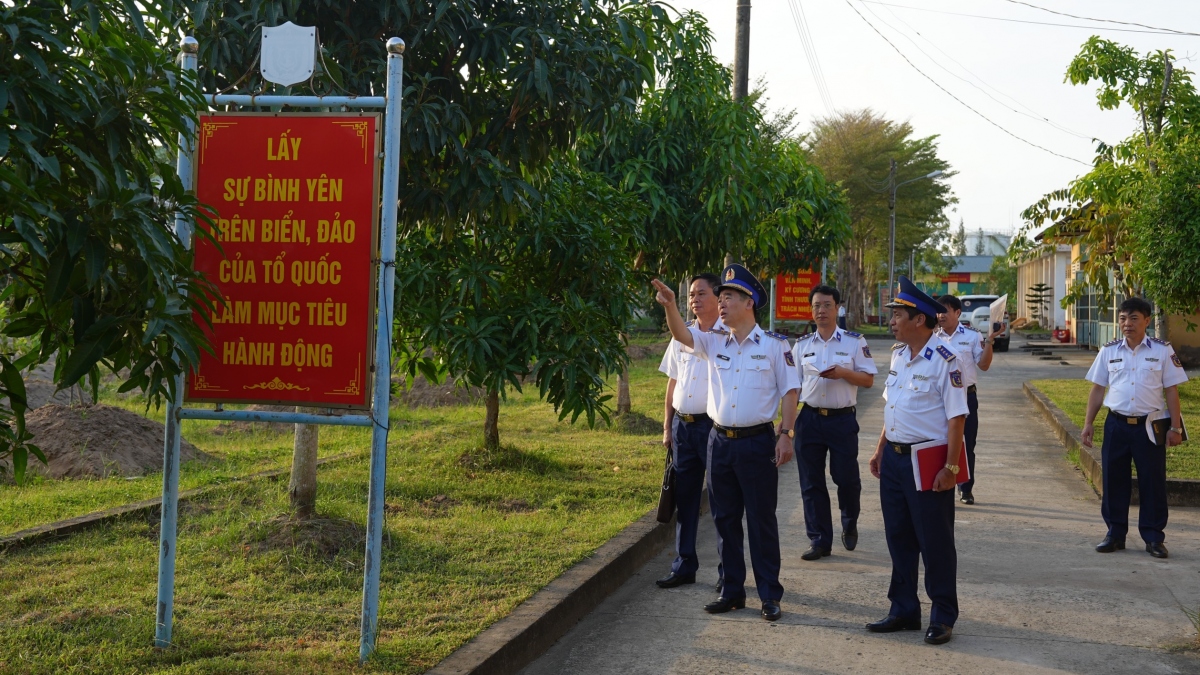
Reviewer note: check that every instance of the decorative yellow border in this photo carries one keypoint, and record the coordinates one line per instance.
(276, 385)
(355, 386)
(360, 128)
(202, 385)
(207, 129)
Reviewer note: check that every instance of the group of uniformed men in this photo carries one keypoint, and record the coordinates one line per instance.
(728, 380)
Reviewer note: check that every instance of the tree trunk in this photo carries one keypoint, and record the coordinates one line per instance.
(1160, 324)
(302, 489)
(491, 423)
(624, 405)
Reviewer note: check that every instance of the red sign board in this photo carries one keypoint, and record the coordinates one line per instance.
(791, 295)
(957, 277)
(294, 203)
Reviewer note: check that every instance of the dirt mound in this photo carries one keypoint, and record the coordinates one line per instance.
(426, 395)
(98, 441)
(324, 538)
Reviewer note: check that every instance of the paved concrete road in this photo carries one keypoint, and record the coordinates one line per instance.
(1034, 596)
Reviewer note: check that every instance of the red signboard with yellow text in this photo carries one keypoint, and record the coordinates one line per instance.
(294, 204)
(791, 295)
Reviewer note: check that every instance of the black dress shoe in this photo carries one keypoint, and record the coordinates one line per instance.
(723, 604)
(1158, 550)
(672, 580)
(938, 634)
(771, 611)
(967, 498)
(850, 538)
(1110, 544)
(891, 624)
(814, 552)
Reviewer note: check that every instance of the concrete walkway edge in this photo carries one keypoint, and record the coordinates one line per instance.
(147, 507)
(535, 625)
(1180, 491)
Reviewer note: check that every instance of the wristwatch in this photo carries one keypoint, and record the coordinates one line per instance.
(953, 468)
(1178, 430)
(790, 433)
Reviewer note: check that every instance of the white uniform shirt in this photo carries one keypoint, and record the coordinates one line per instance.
(814, 356)
(690, 374)
(745, 381)
(967, 344)
(922, 394)
(1136, 377)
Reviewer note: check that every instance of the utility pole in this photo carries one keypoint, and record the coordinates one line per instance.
(891, 237)
(741, 67)
(741, 56)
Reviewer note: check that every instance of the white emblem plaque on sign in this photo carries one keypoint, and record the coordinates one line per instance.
(288, 53)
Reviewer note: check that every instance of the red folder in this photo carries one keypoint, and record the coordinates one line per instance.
(929, 458)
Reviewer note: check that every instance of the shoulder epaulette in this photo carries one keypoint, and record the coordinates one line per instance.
(970, 328)
(1161, 342)
(1117, 341)
(897, 346)
(853, 334)
(945, 352)
(719, 331)
(777, 336)
(690, 323)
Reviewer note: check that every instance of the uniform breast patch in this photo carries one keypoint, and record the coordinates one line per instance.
(956, 378)
(945, 352)
(759, 357)
(787, 357)
(842, 353)
(866, 351)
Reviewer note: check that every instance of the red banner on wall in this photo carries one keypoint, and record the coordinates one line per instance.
(294, 203)
(957, 277)
(791, 295)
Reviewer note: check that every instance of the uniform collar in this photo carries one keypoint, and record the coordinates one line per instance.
(837, 335)
(961, 329)
(756, 336)
(1125, 343)
(926, 351)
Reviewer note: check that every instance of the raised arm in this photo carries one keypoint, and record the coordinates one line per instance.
(679, 329)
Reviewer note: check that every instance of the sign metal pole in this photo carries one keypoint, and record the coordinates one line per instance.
(383, 347)
(170, 492)
(772, 323)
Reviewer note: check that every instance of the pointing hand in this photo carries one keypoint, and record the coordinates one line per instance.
(665, 296)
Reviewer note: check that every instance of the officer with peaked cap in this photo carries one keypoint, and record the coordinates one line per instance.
(750, 372)
(924, 401)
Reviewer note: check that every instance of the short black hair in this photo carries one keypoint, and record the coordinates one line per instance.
(912, 312)
(826, 290)
(1136, 305)
(950, 302)
(712, 279)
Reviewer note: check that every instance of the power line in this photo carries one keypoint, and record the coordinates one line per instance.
(814, 64)
(1032, 114)
(1088, 18)
(812, 45)
(947, 91)
(1026, 21)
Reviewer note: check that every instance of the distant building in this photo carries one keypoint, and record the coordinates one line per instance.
(968, 275)
(983, 243)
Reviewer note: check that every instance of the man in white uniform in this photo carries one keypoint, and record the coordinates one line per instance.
(833, 364)
(1142, 375)
(924, 401)
(750, 372)
(685, 430)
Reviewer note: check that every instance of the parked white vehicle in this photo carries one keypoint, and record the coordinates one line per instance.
(977, 314)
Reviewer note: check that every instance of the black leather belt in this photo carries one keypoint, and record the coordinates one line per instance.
(1131, 419)
(698, 417)
(745, 432)
(831, 412)
(971, 389)
(900, 448)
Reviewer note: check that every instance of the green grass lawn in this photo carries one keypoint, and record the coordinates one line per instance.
(1183, 461)
(468, 537)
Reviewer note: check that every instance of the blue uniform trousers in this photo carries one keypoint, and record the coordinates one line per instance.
(689, 442)
(918, 525)
(971, 431)
(743, 478)
(837, 437)
(1123, 442)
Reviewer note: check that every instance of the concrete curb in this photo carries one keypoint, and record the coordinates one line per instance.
(146, 507)
(1180, 491)
(518, 639)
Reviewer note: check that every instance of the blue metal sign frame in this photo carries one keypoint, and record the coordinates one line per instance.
(377, 418)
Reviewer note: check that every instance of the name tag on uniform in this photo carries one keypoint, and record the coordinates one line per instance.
(759, 357)
(722, 357)
(1115, 360)
(809, 354)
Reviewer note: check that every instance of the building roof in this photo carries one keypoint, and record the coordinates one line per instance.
(971, 264)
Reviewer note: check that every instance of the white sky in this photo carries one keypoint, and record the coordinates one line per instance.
(998, 175)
